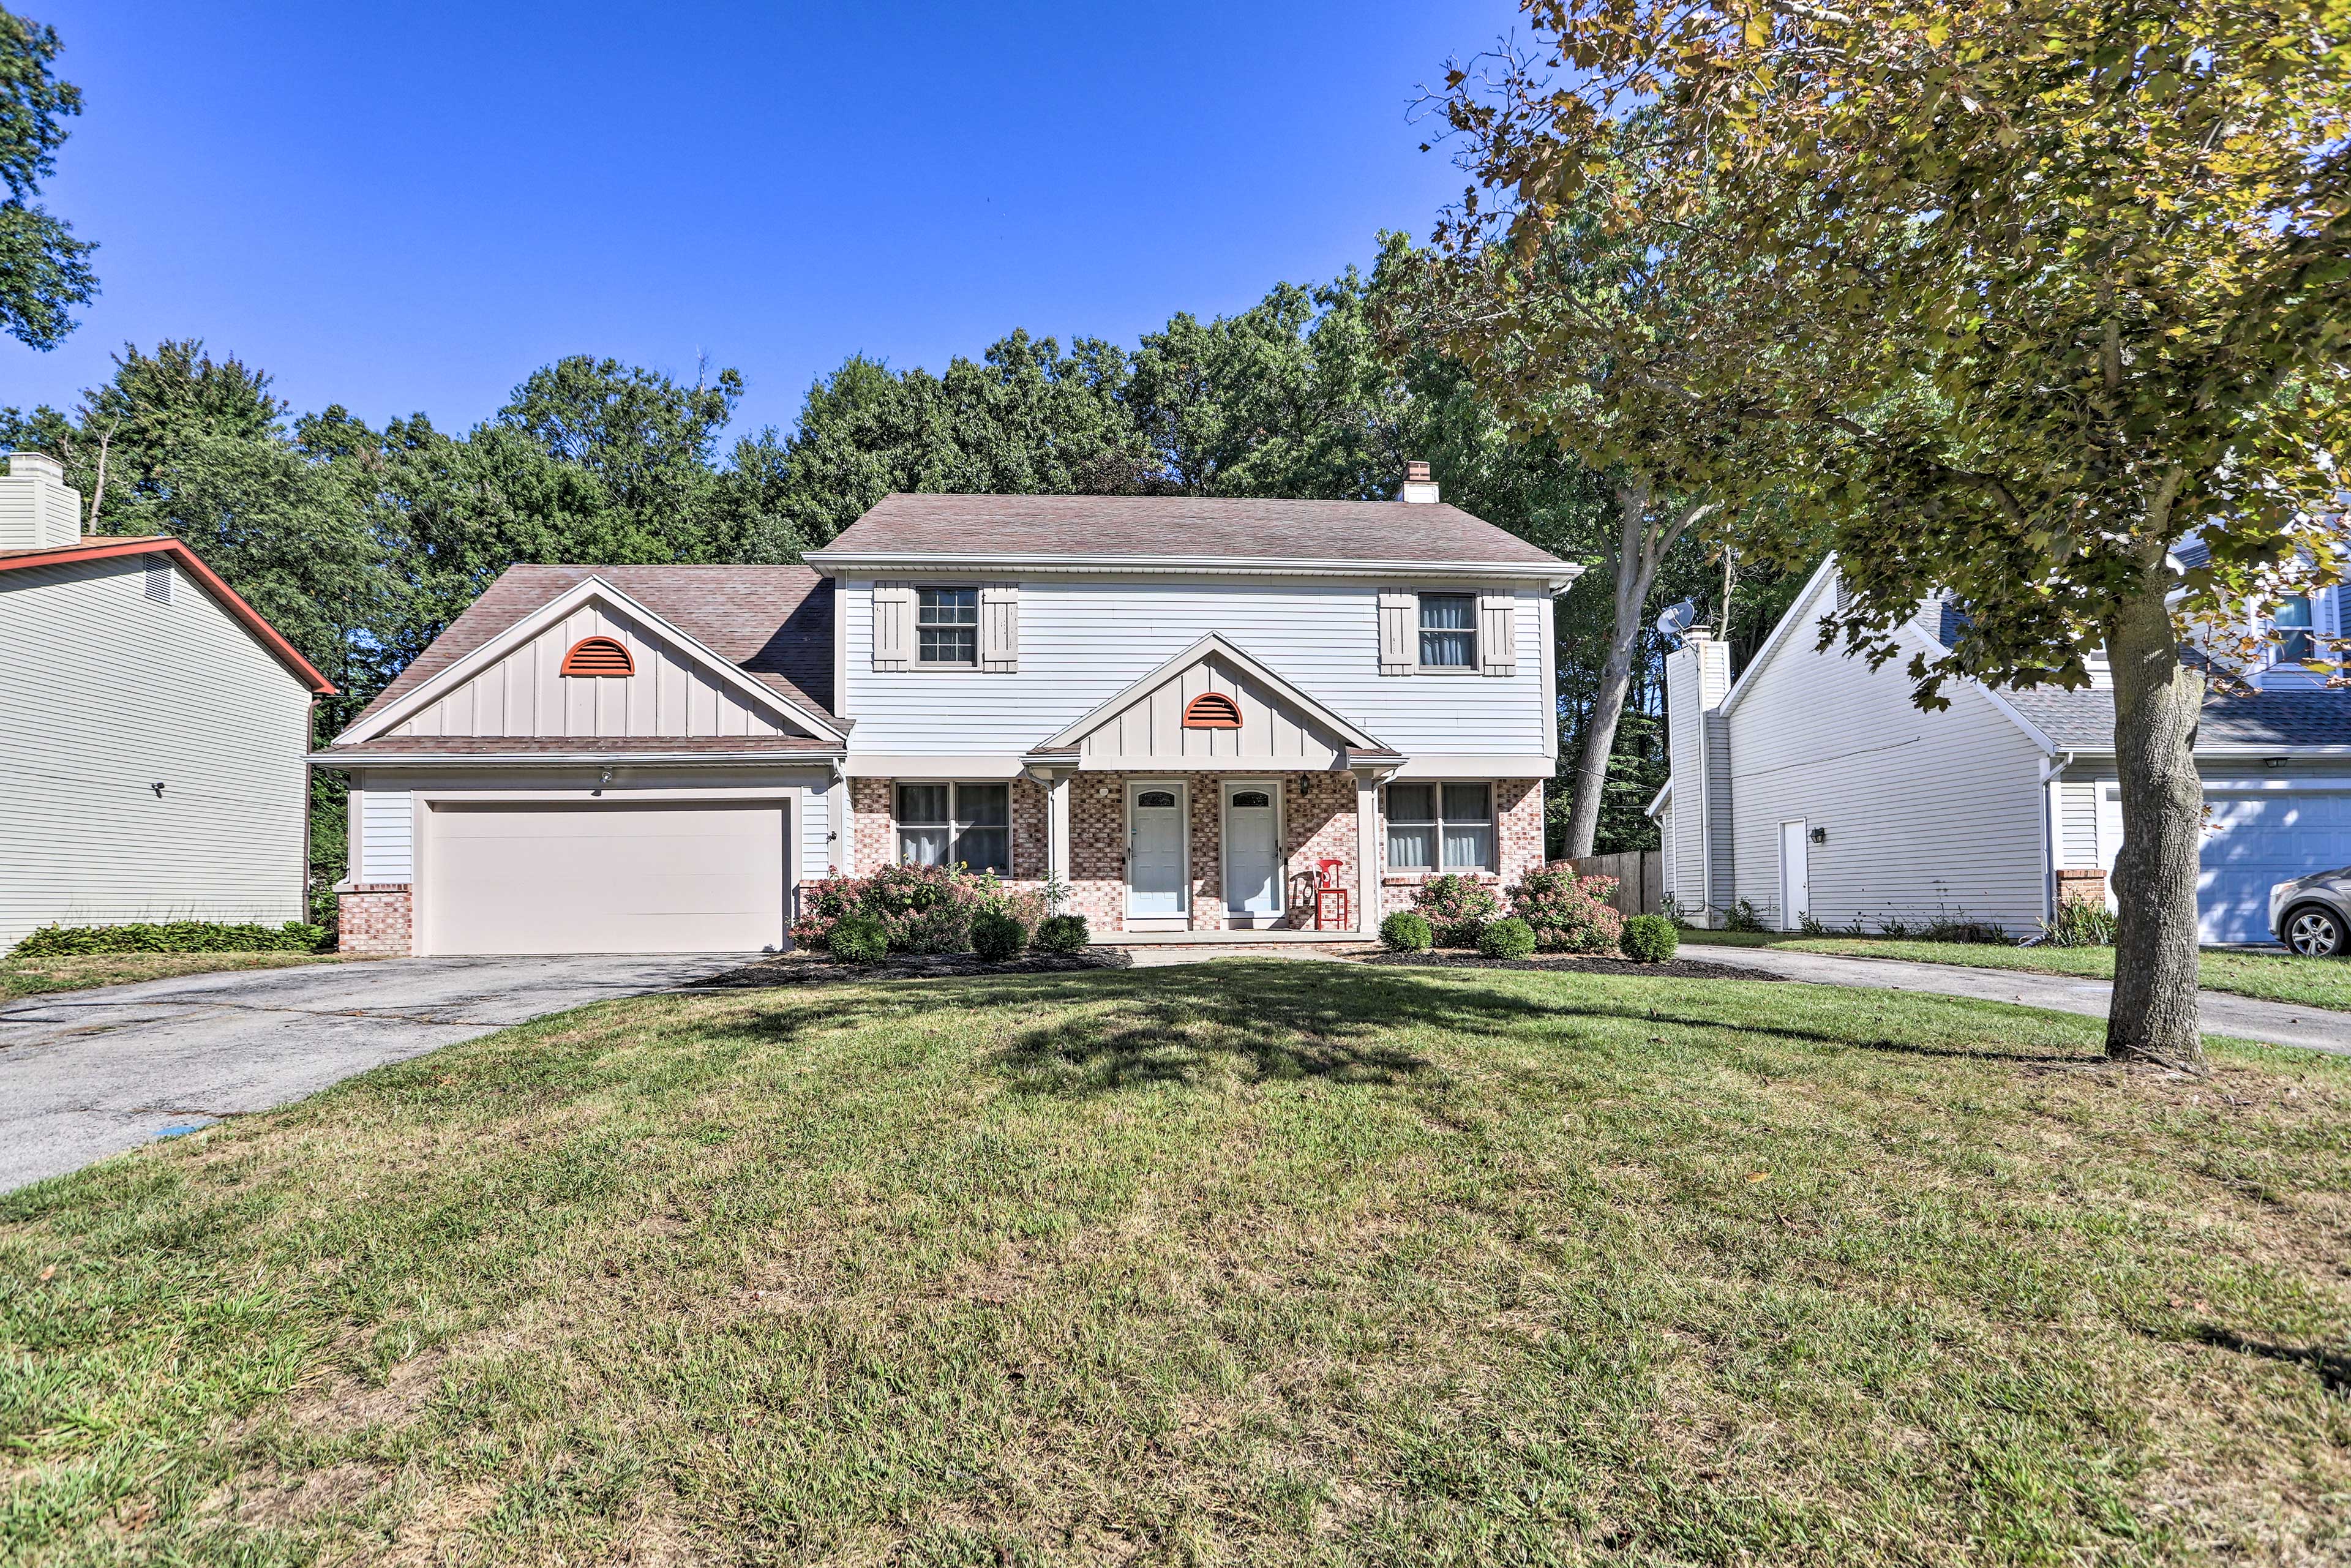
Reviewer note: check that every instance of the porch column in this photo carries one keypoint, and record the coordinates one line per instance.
(1056, 827)
(1367, 852)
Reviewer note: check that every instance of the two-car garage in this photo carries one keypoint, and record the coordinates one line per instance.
(699, 876)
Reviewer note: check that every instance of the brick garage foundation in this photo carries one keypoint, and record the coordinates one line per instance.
(376, 920)
(2078, 886)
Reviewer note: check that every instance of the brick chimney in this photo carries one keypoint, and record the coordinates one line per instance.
(1419, 487)
(37, 509)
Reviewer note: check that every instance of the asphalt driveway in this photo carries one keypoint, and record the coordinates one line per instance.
(84, 1074)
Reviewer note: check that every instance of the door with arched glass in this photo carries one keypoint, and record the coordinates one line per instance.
(1252, 851)
(1154, 850)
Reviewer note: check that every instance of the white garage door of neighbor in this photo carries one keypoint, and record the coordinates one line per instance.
(603, 879)
(2253, 841)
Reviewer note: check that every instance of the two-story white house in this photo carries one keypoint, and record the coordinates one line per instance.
(1193, 715)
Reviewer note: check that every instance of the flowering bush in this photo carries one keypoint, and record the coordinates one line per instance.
(1456, 908)
(1569, 914)
(921, 908)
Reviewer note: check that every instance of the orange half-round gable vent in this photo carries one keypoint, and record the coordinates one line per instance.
(1212, 710)
(598, 656)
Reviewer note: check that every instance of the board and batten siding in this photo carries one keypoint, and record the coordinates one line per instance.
(523, 694)
(105, 693)
(1925, 813)
(1149, 732)
(1083, 641)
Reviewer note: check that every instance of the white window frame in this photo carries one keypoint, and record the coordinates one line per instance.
(1436, 823)
(922, 659)
(1420, 630)
(956, 824)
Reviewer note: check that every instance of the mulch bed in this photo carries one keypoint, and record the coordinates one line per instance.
(823, 969)
(1576, 962)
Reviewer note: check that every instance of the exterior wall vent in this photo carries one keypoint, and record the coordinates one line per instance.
(1212, 710)
(598, 656)
(159, 578)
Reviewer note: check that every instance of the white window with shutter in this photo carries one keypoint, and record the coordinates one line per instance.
(1498, 633)
(999, 627)
(894, 625)
(1399, 632)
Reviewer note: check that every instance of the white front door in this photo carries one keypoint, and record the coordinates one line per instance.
(1252, 849)
(1795, 877)
(1154, 849)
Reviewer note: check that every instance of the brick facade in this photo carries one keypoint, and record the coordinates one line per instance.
(874, 830)
(376, 920)
(1518, 846)
(2082, 886)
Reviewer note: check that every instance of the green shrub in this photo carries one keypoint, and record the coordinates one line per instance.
(2080, 923)
(1649, 939)
(998, 937)
(1567, 912)
(1062, 933)
(173, 936)
(1507, 938)
(860, 939)
(1744, 917)
(1405, 932)
(924, 908)
(1456, 907)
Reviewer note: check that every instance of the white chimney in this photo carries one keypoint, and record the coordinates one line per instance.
(1418, 487)
(37, 509)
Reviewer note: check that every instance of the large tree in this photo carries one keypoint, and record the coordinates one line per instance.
(44, 269)
(2063, 282)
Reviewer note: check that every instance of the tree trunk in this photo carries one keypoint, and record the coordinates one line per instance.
(2156, 703)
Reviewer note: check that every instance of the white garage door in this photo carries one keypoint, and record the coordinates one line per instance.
(2253, 841)
(603, 879)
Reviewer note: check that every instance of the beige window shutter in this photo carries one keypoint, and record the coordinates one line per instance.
(894, 625)
(1498, 633)
(1399, 632)
(999, 627)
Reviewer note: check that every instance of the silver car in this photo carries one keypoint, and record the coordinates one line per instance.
(2312, 914)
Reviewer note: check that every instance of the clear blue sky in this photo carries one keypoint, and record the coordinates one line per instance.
(410, 207)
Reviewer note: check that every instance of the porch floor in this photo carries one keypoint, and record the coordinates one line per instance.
(1194, 938)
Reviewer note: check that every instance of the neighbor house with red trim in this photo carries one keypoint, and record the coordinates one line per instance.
(152, 730)
(1191, 715)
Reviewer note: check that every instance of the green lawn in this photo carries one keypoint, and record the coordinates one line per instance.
(31, 976)
(1275, 1262)
(2274, 977)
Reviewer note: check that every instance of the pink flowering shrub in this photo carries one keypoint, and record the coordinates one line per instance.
(1456, 908)
(1569, 914)
(923, 908)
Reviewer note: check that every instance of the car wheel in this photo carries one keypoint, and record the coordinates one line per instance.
(2314, 931)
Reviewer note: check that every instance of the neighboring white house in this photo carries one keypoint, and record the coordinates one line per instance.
(1813, 787)
(152, 730)
(1188, 712)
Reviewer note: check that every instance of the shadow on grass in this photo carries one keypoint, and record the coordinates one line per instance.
(2332, 1364)
(1272, 1021)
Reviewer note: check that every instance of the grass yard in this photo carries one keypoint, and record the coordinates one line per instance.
(31, 976)
(1278, 1262)
(2272, 977)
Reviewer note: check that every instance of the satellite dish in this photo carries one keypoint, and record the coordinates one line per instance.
(1677, 618)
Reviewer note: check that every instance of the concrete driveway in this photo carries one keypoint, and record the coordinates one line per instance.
(2244, 1017)
(84, 1074)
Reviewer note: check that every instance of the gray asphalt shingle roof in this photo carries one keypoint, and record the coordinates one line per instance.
(1183, 526)
(2085, 721)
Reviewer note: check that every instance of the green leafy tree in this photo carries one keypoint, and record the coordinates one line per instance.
(44, 270)
(2061, 282)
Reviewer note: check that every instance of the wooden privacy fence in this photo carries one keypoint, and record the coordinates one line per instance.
(1640, 879)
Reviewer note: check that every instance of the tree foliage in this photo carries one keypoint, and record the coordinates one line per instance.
(44, 270)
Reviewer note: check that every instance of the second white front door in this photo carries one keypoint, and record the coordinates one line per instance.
(1154, 850)
(1252, 849)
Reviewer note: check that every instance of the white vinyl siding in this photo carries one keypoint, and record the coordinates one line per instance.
(1081, 642)
(104, 694)
(523, 694)
(387, 830)
(1924, 813)
(2077, 824)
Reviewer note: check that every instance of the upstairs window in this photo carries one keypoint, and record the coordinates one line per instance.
(1448, 631)
(952, 824)
(1447, 827)
(2294, 630)
(946, 626)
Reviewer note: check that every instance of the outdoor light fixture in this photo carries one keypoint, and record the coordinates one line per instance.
(1820, 835)
(158, 790)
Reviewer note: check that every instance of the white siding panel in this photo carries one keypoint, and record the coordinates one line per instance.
(1926, 813)
(387, 836)
(1081, 642)
(2077, 824)
(105, 693)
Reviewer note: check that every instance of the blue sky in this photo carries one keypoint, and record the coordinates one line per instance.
(410, 208)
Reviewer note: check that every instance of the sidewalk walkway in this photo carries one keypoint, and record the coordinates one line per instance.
(2241, 1018)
